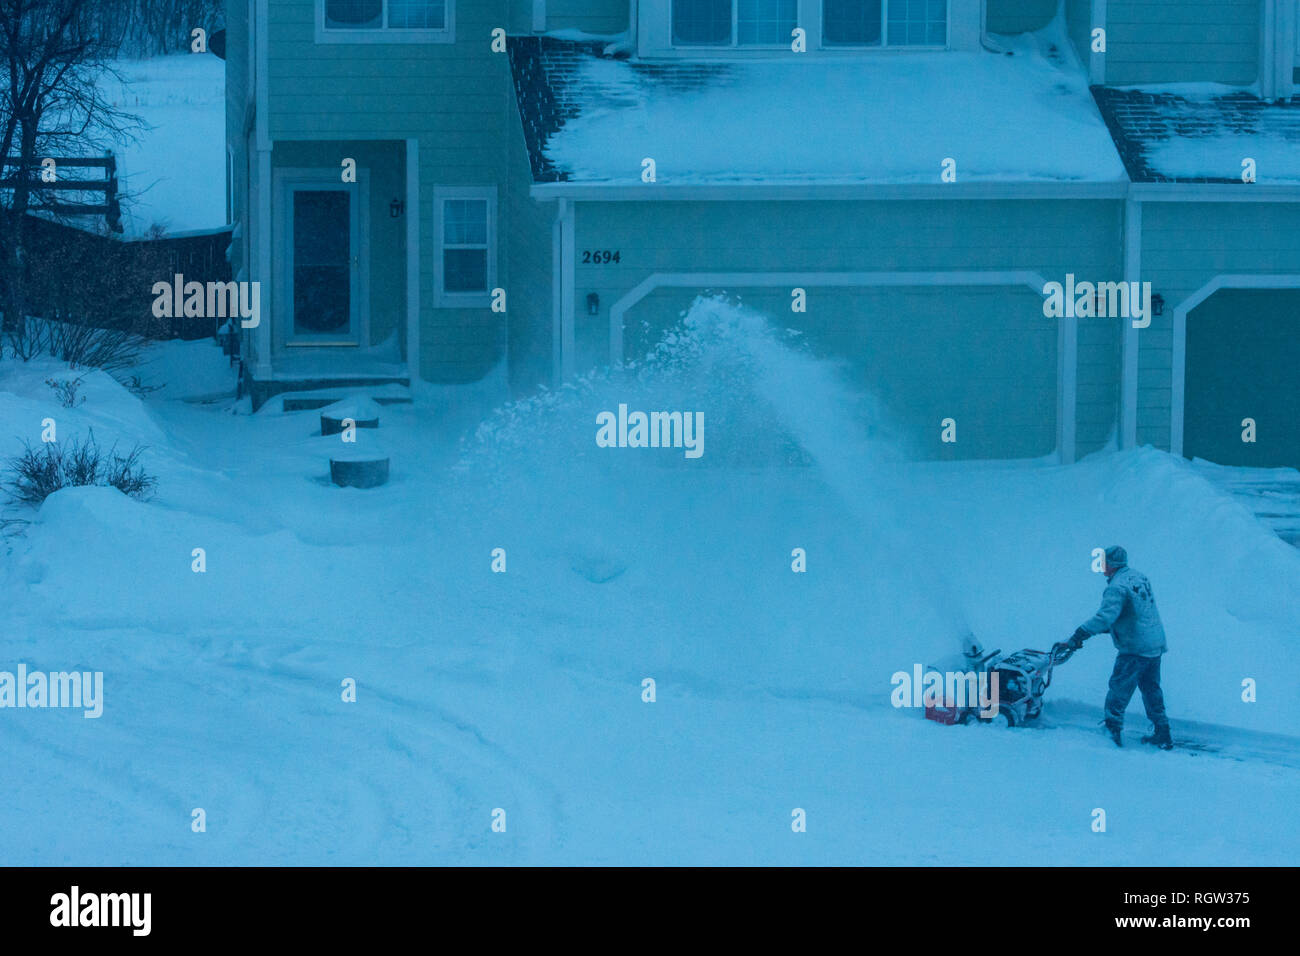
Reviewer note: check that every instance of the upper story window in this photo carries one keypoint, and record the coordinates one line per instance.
(831, 24)
(851, 22)
(916, 22)
(384, 21)
(734, 22)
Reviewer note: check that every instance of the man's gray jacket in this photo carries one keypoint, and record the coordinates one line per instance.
(1128, 612)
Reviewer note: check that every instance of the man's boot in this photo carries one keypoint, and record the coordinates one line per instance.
(1160, 738)
(1113, 729)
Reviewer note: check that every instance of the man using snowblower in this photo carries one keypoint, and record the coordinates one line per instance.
(1128, 612)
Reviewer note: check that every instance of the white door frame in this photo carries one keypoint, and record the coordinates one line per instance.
(1279, 41)
(286, 181)
(1067, 344)
(413, 261)
(1178, 378)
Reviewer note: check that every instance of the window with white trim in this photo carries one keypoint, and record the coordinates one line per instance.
(465, 241)
(734, 22)
(849, 23)
(385, 20)
(844, 23)
(916, 22)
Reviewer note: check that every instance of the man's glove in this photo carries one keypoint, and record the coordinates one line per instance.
(1076, 640)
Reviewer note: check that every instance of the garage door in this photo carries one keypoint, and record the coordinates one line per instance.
(985, 357)
(1243, 361)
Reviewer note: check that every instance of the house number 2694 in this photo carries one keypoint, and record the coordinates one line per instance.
(601, 257)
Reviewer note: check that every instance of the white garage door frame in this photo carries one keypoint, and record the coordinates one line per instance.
(1178, 378)
(1067, 346)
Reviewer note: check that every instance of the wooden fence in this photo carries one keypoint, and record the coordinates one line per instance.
(74, 275)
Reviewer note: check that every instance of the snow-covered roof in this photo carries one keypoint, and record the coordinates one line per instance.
(1020, 116)
(1201, 133)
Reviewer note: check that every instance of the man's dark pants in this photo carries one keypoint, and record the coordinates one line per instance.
(1134, 672)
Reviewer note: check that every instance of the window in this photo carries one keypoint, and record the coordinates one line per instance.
(384, 21)
(851, 23)
(841, 23)
(765, 22)
(917, 22)
(465, 232)
(734, 22)
(900, 22)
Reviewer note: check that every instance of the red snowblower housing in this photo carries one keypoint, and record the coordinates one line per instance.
(1021, 679)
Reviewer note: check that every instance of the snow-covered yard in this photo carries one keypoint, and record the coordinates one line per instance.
(173, 167)
(523, 690)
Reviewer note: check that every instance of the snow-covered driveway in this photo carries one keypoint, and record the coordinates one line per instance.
(523, 691)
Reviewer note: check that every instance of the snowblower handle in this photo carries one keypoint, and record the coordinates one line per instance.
(1061, 652)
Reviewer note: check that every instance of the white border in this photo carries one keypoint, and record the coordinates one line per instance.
(413, 210)
(1178, 383)
(683, 192)
(1097, 61)
(1129, 345)
(1215, 192)
(230, 186)
(557, 290)
(568, 291)
(1067, 348)
(262, 191)
(1277, 48)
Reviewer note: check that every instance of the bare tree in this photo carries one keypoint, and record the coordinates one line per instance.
(164, 26)
(55, 56)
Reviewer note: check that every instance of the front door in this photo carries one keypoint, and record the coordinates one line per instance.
(321, 269)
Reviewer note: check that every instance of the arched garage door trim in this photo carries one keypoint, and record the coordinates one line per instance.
(1178, 384)
(1067, 332)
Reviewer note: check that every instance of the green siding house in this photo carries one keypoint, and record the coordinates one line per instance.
(445, 190)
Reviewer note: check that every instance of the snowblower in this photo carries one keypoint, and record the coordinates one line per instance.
(1022, 680)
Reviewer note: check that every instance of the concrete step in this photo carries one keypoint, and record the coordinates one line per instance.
(311, 403)
(390, 393)
(1272, 494)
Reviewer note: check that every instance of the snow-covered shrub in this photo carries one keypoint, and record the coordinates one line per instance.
(66, 390)
(85, 346)
(78, 344)
(36, 474)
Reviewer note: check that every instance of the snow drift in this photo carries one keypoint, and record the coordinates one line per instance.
(523, 690)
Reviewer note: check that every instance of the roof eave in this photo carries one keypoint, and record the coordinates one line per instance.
(677, 192)
(1216, 192)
